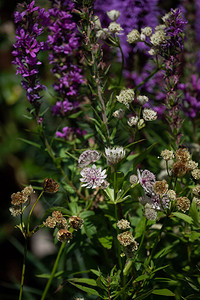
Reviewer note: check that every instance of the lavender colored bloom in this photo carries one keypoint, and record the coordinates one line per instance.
(174, 31)
(191, 98)
(63, 43)
(68, 133)
(26, 50)
(92, 177)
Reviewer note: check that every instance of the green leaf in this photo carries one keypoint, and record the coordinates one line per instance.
(106, 241)
(140, 228)
(163, 292)
(98, 273)
(141, 277)
(110, 194)
(74, 116)
(46, 276)
(84, 280)
(85, 289)
(194, 213)
(143, 296)
(134, 143)
(183, 217)
(30, 143)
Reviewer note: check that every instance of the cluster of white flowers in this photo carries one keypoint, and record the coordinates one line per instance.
(167, 154)
(158, 37)
(133, 36)
(126, 97)
(114, 27)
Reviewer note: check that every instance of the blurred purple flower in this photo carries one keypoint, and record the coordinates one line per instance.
(26, 49)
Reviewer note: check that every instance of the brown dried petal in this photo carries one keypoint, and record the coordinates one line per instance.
(64, 235)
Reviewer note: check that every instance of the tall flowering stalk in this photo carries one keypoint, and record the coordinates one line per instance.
(27, 47)
(63, 43)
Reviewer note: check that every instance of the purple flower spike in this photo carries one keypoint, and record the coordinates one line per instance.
(26, 49)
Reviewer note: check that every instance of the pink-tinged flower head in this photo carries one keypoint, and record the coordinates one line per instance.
(146, 179)
(88, 157)
(92, 177)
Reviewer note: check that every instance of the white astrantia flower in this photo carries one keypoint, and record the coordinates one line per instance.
(126, 97)
(114, 27)
(133, 36)
(113, 14)
(149, 114)
(119, 114)
(114, 155)
(132, 121)
(92, 177)
(160, 27)
(142, 99)
(88, 157)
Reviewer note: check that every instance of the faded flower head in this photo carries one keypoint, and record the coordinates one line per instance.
(119, 114)
(18, 198)
(196, 190)
(125, 238)
(182, 154)
(50, 222)
(196, 200)
(88, 157)
(160, 187)
(126, 97)
(75, 222)
(132, 121)
(15, 210)
(114, 27)
(183, 203)
(130, 249)
(180, 168)
(92, 177)
(149, 114)
(171, 194)
(50, 186)
(123, 224)
(150, 213)
(192, 165)
(57, 219)
(133, 36)
(167, 154)
(114, 155)
(113, 14)
(196, 174)
(64, 235)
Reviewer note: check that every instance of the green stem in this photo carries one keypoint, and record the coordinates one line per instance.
(23, 270)
(29, 217)
(122, 65)
(118, 245)
(53, 271)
